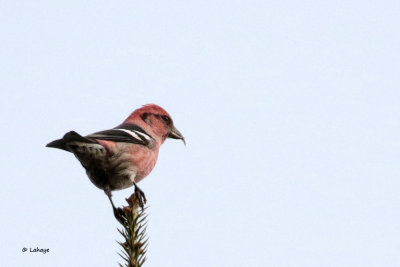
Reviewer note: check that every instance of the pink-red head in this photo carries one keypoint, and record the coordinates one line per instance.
(155, 119)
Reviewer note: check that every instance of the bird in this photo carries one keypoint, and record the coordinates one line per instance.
(120, 157)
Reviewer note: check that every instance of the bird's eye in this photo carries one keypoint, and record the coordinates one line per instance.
(166, 119)
(144, 116)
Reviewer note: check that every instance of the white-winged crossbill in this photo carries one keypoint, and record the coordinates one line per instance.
(120, 157)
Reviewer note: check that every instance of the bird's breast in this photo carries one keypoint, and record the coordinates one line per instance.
(144, 160)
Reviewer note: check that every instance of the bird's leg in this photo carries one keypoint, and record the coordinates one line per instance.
(118, 212)
(140, 196)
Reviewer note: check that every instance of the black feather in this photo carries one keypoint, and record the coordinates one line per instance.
(70, 137)
(116, 135)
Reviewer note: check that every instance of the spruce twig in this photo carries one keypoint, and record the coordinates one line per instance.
(134, 225)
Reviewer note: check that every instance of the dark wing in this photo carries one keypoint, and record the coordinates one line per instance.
(71, 136)
(124, 133)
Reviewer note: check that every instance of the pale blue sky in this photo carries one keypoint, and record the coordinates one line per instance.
(290, 110)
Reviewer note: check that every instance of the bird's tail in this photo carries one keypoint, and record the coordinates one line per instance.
(69, 137)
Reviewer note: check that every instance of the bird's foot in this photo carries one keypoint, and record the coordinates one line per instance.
(140, 196)
(119, 214)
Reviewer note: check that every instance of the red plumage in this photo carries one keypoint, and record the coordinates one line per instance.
(118, 158)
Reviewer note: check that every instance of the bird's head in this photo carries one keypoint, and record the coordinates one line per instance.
(156, 119)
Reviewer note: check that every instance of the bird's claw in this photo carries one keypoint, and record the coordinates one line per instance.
(140, 196)
(119, 214)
